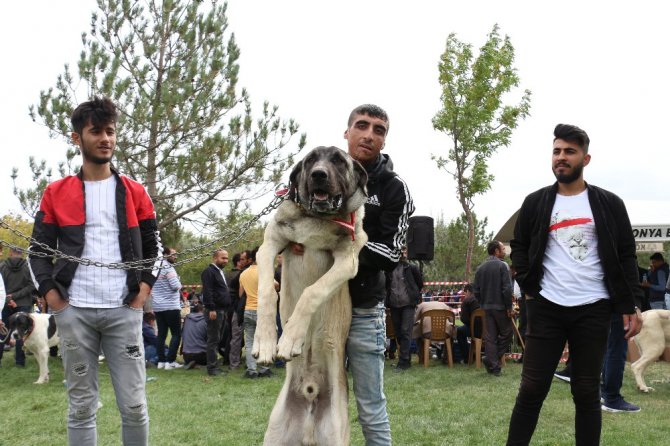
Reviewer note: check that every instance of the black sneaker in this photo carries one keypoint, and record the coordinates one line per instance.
(620, 405)
(265, 373)
(251, 374)
(190, 365)
(487, 365)
(563, 375)
(215, 372)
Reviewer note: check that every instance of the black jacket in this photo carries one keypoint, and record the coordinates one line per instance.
(61, 221)
(387, 213)
(616, 244)
(493, 285)
(18, 282)
(413, 284)
(215, 294)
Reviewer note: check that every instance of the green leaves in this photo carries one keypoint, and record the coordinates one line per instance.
(474, 112)
(187, 131)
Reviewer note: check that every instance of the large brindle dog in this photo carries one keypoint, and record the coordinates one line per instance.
(39, 333)
(323, 212)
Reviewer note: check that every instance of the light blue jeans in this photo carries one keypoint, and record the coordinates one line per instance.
(365, 349)
(118, 332)
(658, 304)
(667, 301)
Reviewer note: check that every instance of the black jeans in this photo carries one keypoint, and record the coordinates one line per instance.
(403, 322)
(169, 319)
(214, 331)
(585, 328)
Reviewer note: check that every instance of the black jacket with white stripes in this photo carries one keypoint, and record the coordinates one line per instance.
(387, 213)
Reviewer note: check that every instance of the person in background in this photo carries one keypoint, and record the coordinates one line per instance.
(166, 303)
(403, 288)
(658, 276)
(19, 290)
(493, 290)
(249, 288)
(463, 332)
(150, 340)
(194, 338)
(216, 300)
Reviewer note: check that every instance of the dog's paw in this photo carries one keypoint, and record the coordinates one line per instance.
(646, 389)
(42, 381)
(265, 346)
(289, 347)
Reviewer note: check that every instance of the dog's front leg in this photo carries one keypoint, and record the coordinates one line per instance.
(344, 268)
(42, 357)
(265, 337)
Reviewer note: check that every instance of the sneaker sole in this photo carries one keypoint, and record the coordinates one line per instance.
(609, 409)
(562, 378)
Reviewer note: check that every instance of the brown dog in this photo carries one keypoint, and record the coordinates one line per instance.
(651, 341)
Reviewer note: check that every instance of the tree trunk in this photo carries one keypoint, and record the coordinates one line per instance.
(471, 243)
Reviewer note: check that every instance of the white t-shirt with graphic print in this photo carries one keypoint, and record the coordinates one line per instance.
(94, 287)
(573, 274)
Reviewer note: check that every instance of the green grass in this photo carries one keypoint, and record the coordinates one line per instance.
(434, 406)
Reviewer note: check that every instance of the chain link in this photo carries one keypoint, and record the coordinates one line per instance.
(195, 253)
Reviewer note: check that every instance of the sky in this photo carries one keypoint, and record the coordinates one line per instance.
(600, 65)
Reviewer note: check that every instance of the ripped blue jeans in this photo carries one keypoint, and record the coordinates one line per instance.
(117, 332)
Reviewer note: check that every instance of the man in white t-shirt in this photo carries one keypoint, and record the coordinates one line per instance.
(574, 253)
(103, 216)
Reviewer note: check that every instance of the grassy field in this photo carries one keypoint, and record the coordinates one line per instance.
(434, 406)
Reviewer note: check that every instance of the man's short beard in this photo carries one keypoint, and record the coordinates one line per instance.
(97, 160)
(567, 178)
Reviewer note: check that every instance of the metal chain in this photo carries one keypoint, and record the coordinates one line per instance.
(225, 238)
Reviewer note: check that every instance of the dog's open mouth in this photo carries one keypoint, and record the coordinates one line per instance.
(322, 202)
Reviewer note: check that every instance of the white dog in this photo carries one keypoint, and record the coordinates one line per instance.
(651, 341)
(324, 213)
(39, 333)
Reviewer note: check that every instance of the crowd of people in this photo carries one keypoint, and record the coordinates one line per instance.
(573, 257)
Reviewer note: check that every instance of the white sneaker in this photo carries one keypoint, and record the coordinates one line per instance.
(175, 365)
(168, 366)
(161, 365)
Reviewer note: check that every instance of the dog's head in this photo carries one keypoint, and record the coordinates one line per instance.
(328, 181)
(20, 324)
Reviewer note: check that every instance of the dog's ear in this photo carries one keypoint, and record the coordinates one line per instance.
(293, 181)
(361, 176)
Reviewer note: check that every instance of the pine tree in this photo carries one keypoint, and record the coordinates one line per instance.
(186, 129)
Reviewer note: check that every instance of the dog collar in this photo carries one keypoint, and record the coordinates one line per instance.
(349, 225)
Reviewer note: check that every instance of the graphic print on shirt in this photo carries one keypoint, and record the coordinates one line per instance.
(574, 234)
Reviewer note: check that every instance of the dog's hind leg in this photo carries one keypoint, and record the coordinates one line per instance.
(651, 343)
(292, 418)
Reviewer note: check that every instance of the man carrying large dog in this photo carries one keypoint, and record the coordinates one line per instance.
(19, 288)
(574, 253)
(387, 213)
(100, 215)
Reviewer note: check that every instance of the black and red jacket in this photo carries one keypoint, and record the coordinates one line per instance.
(60, 224)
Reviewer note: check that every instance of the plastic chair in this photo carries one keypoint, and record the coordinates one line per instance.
(439, 319)
(476, 343)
